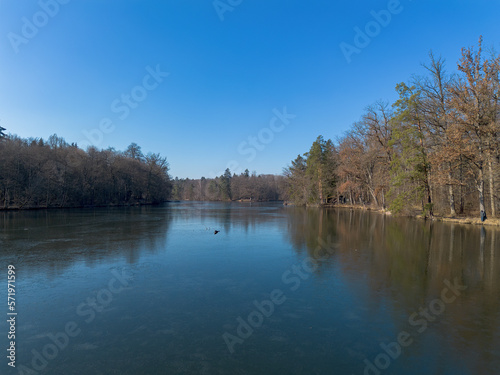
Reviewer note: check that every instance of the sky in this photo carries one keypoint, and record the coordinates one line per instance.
(217, 84)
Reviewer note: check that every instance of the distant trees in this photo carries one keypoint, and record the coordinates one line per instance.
(37, 173)
(229, 187)
(435, 149)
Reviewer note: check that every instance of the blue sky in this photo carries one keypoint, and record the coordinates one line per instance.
(71, 71)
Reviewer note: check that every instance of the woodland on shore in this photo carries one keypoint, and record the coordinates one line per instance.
(35, 173)
(434, 151)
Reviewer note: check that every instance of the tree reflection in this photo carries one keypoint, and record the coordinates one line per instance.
(405, 262)
(53, 240)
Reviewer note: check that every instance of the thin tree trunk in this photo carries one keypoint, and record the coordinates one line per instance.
(320, 187)
(492, 186)
(461, 187)
(373, 195)
(480, 188)
(451, 196)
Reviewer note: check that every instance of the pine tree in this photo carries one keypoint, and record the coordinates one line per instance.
(225, 185)
(410, 168)
(320, 169)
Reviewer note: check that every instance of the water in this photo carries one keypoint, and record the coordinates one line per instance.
(152, 290)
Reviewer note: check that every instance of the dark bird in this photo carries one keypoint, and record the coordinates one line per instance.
(217, 231)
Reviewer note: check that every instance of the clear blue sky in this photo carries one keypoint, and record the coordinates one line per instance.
(225, 76)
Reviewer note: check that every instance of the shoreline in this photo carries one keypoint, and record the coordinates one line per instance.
(456, 220)
(465, 220)
(136, 204)
(10, 209)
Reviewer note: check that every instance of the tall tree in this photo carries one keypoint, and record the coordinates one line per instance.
(435, 94)
(474, 100)
(320, 165)
(134, 151)
(297, 181)
(225, 185)
(410, 166)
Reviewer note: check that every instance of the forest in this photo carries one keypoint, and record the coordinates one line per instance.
(434, 150)
(244, 187)
(38, 174)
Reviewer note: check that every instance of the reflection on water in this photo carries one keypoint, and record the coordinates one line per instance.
(401, 265)
(188, 286)
(52, 240)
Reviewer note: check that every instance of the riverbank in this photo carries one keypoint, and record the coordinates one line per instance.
(418, 215)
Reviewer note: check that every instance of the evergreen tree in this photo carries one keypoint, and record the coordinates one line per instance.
(320, 169)
(225, 185)
(410, 168)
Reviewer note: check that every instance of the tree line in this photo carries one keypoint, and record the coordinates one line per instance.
(230, 187)
(37, 173)
(436, 148)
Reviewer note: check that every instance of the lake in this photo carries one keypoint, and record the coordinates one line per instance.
(279, 290)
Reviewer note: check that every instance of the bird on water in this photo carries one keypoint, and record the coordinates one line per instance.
(216, 231)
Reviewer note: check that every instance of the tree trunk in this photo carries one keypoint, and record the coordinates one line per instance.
(480, 188)
(492, 187)
(320, 187)
(429, 199)
(373, 195)
(462, 203)
(450, 193)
